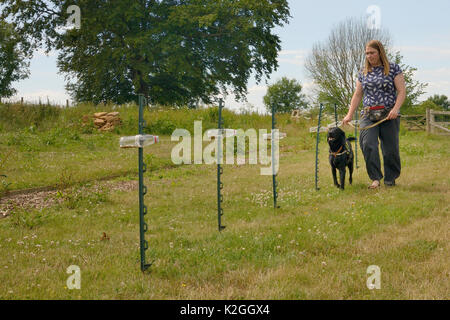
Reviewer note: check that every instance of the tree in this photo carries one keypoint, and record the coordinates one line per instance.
(422, 107)
(414, 88)
(285, 95)
(172, 51)
(334, 65)
(13, 63)
(440, 100)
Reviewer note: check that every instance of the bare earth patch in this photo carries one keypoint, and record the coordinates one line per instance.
(44, 199)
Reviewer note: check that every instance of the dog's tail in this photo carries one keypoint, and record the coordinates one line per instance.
(351, 139)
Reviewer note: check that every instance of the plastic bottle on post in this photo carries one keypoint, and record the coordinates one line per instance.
(138, 141)
(222, 132)
(281, 135)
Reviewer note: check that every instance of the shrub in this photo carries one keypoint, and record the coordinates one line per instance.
(422, 108)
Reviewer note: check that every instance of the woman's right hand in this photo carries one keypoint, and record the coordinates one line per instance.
(347, 119)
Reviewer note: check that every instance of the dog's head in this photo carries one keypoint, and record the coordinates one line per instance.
(336, 137)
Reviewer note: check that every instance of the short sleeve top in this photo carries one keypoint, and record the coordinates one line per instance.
(379, 89)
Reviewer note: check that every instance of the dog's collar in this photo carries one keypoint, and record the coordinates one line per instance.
(339, 153)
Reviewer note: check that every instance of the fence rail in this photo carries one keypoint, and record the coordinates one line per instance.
(437, 127)
(416, 122)
(36, 101)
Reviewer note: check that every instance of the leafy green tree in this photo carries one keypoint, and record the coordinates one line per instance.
(285, 95)
(13, 63)
(414, 88)
(334, 64)
(440, 100)
(172, 51)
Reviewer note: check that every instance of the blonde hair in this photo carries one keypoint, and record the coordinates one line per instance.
(377, 45)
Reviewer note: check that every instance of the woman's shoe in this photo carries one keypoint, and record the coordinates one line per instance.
(375, 184)
(389, 183)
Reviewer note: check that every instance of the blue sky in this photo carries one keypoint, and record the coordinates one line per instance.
(420, 30)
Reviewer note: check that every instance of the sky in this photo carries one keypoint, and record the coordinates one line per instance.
(420, 30)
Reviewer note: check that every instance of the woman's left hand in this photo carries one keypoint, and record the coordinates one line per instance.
(393, 114)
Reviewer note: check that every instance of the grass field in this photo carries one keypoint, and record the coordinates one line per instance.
(318, 245)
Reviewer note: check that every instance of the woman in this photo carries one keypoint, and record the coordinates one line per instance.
(383, 85)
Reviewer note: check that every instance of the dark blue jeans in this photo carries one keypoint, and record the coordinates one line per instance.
(387, 133)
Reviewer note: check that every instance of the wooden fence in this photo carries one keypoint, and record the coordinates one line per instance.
(440, 126)
(417, 122)
(22, 102)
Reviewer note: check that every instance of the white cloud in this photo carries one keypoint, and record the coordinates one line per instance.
(254, 98)
(292, 52)
(436, 87)
(308, 87)
(438, 81)
(256, 94)
(441, 73)
(257, 88)
(425, 52)
(294, 57)
(295, 61)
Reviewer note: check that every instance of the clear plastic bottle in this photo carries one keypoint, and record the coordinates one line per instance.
(139, 141)
(225, 132)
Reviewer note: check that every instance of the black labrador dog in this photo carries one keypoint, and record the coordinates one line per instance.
(341, 155)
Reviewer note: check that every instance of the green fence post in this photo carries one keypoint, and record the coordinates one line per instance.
(317, 148)
(219, 168)
(356, 137)
(335, 115)
(143, 227)
(274, 175)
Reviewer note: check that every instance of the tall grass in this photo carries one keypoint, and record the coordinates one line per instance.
(162, 121)
(44, 141)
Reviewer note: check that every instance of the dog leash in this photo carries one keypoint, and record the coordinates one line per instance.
(371, 126)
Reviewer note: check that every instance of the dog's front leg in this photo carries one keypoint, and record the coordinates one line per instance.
(350, 169)
(333, 170)
(342, 177)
